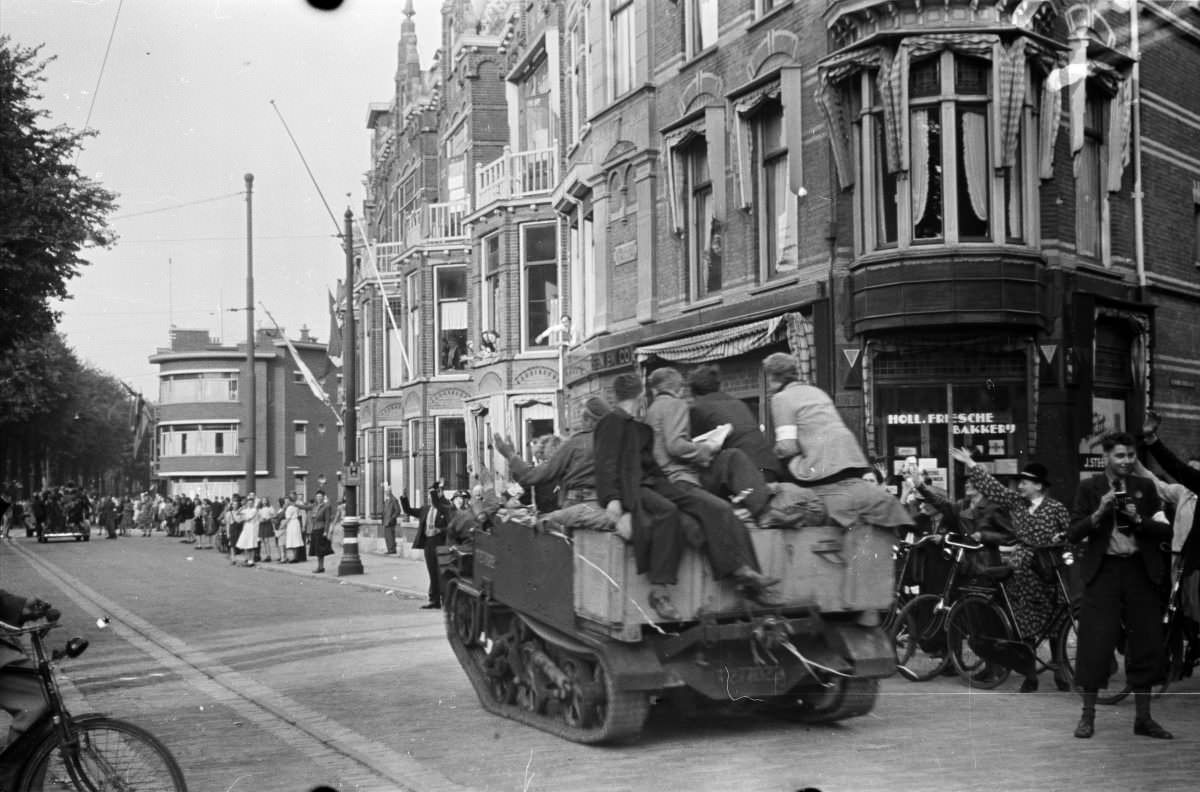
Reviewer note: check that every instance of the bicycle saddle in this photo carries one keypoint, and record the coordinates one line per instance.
(996, 573)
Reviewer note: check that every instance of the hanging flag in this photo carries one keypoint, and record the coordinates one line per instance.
(317, 391)
(333, 347)
(372, 271)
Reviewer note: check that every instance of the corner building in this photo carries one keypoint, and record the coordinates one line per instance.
(200, 443)
(931, 205)
(994, 289)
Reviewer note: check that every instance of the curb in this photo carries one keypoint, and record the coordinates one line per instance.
(331, 576)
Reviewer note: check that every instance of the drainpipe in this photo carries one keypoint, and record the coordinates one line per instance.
(1139, 242)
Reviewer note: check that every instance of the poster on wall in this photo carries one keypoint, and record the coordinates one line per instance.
(1108, 415)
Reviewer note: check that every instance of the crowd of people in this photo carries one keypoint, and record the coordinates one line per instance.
(250, 529)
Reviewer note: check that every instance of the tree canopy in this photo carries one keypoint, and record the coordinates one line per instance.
(49, 212)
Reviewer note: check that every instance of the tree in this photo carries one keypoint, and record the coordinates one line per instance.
(49, 211)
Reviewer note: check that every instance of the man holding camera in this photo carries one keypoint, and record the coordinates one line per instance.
(1119, 518)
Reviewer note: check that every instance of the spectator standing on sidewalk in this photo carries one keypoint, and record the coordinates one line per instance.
(293, 534)
(247, 540)
(431, 534)
(319, 545)
(391, 514)
(266, 532)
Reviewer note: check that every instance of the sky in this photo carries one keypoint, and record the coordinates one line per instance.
(182, 113)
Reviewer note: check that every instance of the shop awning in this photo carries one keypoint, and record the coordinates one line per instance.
(736, 340)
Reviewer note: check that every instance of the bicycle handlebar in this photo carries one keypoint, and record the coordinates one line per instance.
(49, 622)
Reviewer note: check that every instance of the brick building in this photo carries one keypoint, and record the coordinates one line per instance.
(199, 445)
(932, 205)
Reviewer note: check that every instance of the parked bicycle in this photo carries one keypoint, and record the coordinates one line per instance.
(905, 588)
(88, 753)
(919, 629)
(985, 641)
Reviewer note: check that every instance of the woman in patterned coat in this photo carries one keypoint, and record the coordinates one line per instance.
(1036, 520)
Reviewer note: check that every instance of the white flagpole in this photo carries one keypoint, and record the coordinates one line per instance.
(309, 379)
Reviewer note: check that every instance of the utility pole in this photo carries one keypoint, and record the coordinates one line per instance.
(351, 562)
(251, 384)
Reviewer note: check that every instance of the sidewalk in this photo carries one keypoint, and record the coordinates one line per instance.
(403, 574)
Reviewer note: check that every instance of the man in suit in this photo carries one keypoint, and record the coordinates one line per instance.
(391, 514)
(1119, 518)
(431, 534)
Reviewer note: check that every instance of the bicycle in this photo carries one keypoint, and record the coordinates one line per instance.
(903, 591)
(985, 641)
(918, 633)
(88, 753)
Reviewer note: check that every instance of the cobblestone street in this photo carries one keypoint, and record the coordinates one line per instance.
(278, 679)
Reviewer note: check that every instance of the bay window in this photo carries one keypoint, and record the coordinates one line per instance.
(949, 132)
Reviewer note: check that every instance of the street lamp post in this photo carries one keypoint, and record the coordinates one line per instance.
(251, 379)
(351, 562)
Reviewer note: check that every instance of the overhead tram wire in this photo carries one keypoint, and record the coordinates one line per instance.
(103, 64)
(317, 186)
(173, 207)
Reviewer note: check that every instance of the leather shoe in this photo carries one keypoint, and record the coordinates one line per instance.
(753, 579)
(432, 606)
(1086, 728)
(1149, 728)
(1029, 685)
(660, 601)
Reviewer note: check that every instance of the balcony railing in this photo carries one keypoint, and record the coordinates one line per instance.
(431, 223)
(516, 175)
(435, 222)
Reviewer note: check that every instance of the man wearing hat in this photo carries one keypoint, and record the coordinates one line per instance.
(1118, 516)
(1036, 520)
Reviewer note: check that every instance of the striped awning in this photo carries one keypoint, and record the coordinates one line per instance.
(717, 344)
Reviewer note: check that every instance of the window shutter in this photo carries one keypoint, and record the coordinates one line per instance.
(792, 96)
(714, 125)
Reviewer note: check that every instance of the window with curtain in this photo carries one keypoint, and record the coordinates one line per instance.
(700, 22)
(395, 352)
(884, 185)
(1088, 183)
(539, 270)
(491, 301)
(451, 285)
(456, 165)
(950, 175)
(776, 205)
(703, 235)
(412, 324)
(621, 52)
(537, 127)
(579, 74)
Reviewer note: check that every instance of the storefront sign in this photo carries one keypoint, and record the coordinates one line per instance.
(984, 423)
(1091, 463)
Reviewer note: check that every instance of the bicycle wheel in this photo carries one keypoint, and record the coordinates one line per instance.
(919, 639)
(974, 624)
(1066, 643)
(112, 755)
